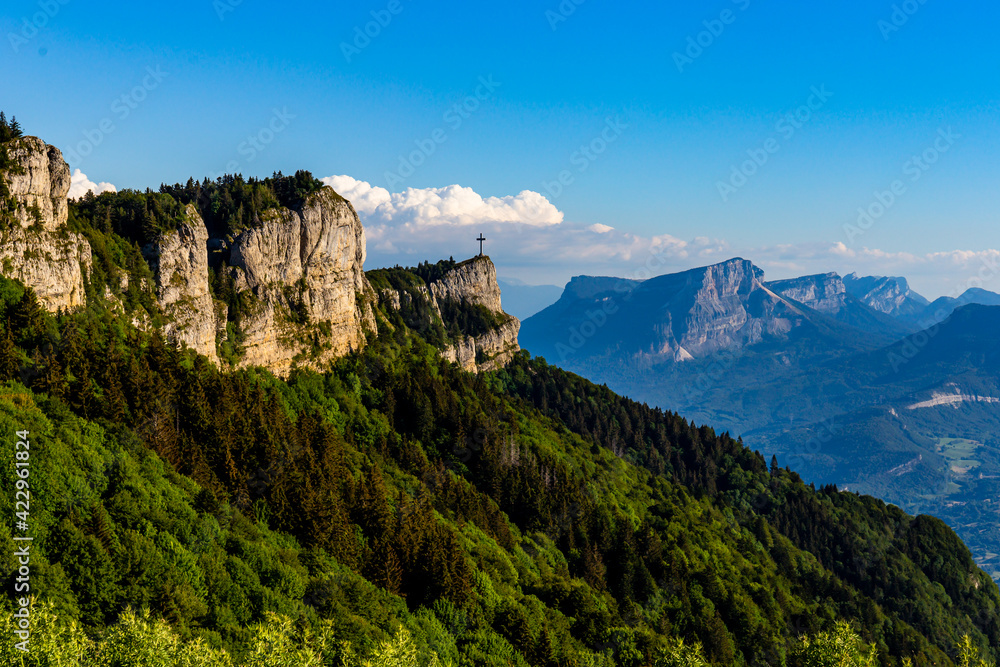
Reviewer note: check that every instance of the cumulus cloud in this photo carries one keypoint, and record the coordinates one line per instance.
(451, 206)
(80, 185)
(525, 229)
(529, 238)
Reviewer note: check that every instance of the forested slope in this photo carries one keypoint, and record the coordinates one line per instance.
(523, 517)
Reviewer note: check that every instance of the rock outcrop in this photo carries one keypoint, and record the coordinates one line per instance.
(40, 185)
(302, 271)
(36, 247)
(471, 284)
(489, 351)
(179, 260)
(474, 283)
(299, 294)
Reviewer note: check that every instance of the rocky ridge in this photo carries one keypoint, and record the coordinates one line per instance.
(676, 317)
(36, 247)
(825, 292)
(304, 272)
(472, 283)
(298, 276)
(180, 264)
(889, 295)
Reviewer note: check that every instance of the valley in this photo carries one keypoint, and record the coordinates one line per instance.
(847, 391)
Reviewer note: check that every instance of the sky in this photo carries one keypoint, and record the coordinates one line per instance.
(580, 136)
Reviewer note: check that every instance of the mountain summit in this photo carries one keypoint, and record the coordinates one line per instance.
(675, 317)
(889, 295)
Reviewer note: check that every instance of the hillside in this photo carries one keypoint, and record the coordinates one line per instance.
(528, 514)
(432, 495)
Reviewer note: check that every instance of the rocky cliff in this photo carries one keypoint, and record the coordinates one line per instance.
(293, 280)
(302, 274)
(826, 293)
(179, 260)
(468, 292)
(474, 283)
(888, 295)
(35, 245)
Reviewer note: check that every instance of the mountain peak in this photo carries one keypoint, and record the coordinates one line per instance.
(887, 294)
(672, 317)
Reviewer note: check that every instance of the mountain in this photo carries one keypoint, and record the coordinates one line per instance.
(381, 503)
(827, 294)
(527, 518)
(37, 181)
(891, 296)
(850, 395)
(723, 308)
(941, 308)
(523, 300)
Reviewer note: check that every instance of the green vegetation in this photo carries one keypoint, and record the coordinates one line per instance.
(399, 510)
(231, 203)
(117, 259)
(457, 319)
(140, 217)
(8, 132)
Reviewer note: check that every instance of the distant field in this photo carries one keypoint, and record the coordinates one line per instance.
(959, 453)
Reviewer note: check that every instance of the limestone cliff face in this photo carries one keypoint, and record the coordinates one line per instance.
(889, 295)
(825, 292)
(472, 283)
(42, 183)
(37, 248)
(179, 260)
(489, 351)
(718, 307)
(303, 272)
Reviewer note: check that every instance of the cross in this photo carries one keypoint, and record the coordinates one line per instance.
(481, 239)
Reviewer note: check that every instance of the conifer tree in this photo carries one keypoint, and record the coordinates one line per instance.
(9, 357)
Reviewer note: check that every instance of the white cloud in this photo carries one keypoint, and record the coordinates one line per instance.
(530, 239)
(931, 274)
(453, 206)
(80, 185)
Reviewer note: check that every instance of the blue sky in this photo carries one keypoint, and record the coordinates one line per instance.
(247, 87)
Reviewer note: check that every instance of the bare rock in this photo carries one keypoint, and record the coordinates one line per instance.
(179, 260)
(38, 249)
(303, 272)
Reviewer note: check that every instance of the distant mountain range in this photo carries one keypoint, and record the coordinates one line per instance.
(858, 381)
(891, 296)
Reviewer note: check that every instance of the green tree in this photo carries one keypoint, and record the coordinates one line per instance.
(841, 647)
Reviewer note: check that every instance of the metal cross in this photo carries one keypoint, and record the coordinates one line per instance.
(481, 239)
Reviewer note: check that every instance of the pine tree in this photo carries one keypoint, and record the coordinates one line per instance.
(27, 320)
(10, 361)
(53, 379)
